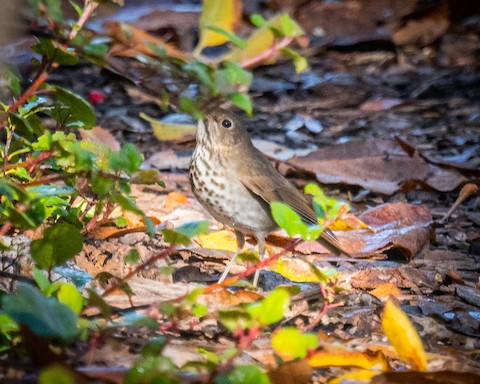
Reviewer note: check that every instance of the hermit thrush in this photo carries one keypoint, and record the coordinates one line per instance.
(236, 183)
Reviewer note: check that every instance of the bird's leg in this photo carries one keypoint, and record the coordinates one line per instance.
(261, 252)
(240, 244)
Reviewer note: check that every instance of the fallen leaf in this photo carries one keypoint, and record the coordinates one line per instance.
(400, 226)
(165, 129)
(132, 41)
(378, 165)
(223, 240)
(292, 372)
(440, 377)
(330, 356)
(385, 290)
(175, 199)
(221, 299)
(403, 336)
(357, 377)
(380, 104)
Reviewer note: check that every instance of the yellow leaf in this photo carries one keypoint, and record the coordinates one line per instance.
(224, 14)
(339, 357)
(403, 336)
(354, 377)
(348, 221)
(295, 270)
(223, 240)
(166, 131)
(260, 41)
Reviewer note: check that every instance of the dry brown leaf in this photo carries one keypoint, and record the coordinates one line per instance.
(400, 226)
(132, 41)
(221, 299)
(378, 165)
(293, 372)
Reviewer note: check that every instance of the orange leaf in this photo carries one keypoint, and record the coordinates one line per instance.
(174, 199)
(385, 290)
(403, 336)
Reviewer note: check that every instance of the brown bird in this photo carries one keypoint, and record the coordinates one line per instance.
(236, 183)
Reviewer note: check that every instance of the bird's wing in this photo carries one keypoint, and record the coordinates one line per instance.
(261, 178)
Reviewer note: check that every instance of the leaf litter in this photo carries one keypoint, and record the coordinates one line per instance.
(436, 283)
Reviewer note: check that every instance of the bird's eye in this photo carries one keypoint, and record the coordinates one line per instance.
(226, 123)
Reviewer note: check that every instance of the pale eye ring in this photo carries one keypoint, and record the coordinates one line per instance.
(227, 123)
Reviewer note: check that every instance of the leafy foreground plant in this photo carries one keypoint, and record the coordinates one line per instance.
(48, 176)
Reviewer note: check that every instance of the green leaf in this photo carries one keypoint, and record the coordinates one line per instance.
(57, 374)
(128, 159)
(300, 62)
(99, 49)
(79, 112)
(44, 316)
(183, 234)
(199, 310)
(235, 319)
(60, 243)
(12, 76)
(69, 295)
(288, 219)
(289, 26)
(238, 41)
(271, 309)
(174, 237)
(289, 341)
(258, 20)
(132, 257)
(237, 75)
(7, 325)
(40, 279)
(244, 374)
(242, 101)
(54, 51)
(97, 301)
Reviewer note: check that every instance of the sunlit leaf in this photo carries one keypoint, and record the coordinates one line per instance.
(242, 101)
(403, 336)
(69, 295)
(223, 240)
(57, 374)
(290, 343)
(271, 309)
(260, 41)
(357, 377)
(332, 356)
(224, 14)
